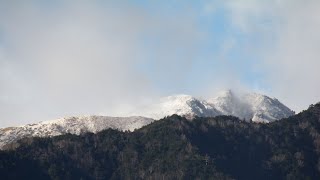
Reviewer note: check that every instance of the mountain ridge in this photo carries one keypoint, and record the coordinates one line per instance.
(246, 106)
(257, 107)
(71, 125)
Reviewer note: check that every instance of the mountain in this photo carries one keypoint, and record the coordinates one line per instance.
(248, 106)
(221, 147)
(252, 106)
(183, 105)
(72, 125)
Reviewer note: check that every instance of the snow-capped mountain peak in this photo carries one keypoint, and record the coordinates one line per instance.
(250, 106)
(184, 105)
(266, 109)
(247, 106)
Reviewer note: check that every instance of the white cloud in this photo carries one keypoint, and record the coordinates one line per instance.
(69, 58)
(288, 47)
(79, 58)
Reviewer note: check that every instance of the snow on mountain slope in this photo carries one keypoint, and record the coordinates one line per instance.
(72, 125)
(266, 109)
(249, 106)
(257, 107)
(183, 105)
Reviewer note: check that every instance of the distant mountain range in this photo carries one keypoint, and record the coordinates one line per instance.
(250, 106)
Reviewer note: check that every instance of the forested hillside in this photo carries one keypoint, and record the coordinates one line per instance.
(223, 147)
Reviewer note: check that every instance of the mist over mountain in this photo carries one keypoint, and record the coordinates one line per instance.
(246, 106)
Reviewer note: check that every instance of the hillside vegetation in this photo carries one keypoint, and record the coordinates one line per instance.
(223, 147)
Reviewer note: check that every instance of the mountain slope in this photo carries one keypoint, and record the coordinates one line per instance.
(258, 108)
(174, 148)
(72, 125)
(249, 106)
(183, 105)
(254, 106)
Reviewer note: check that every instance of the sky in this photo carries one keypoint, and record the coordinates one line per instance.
(68, 58)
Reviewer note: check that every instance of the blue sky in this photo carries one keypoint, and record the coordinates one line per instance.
(62, 58)
(211, 59)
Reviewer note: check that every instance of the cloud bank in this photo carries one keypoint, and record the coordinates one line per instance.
(290, 55)
(81, 58)
(64, 58)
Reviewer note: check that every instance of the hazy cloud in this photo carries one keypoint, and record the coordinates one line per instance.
(69, 58)
(64, 58)
(288, 42)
